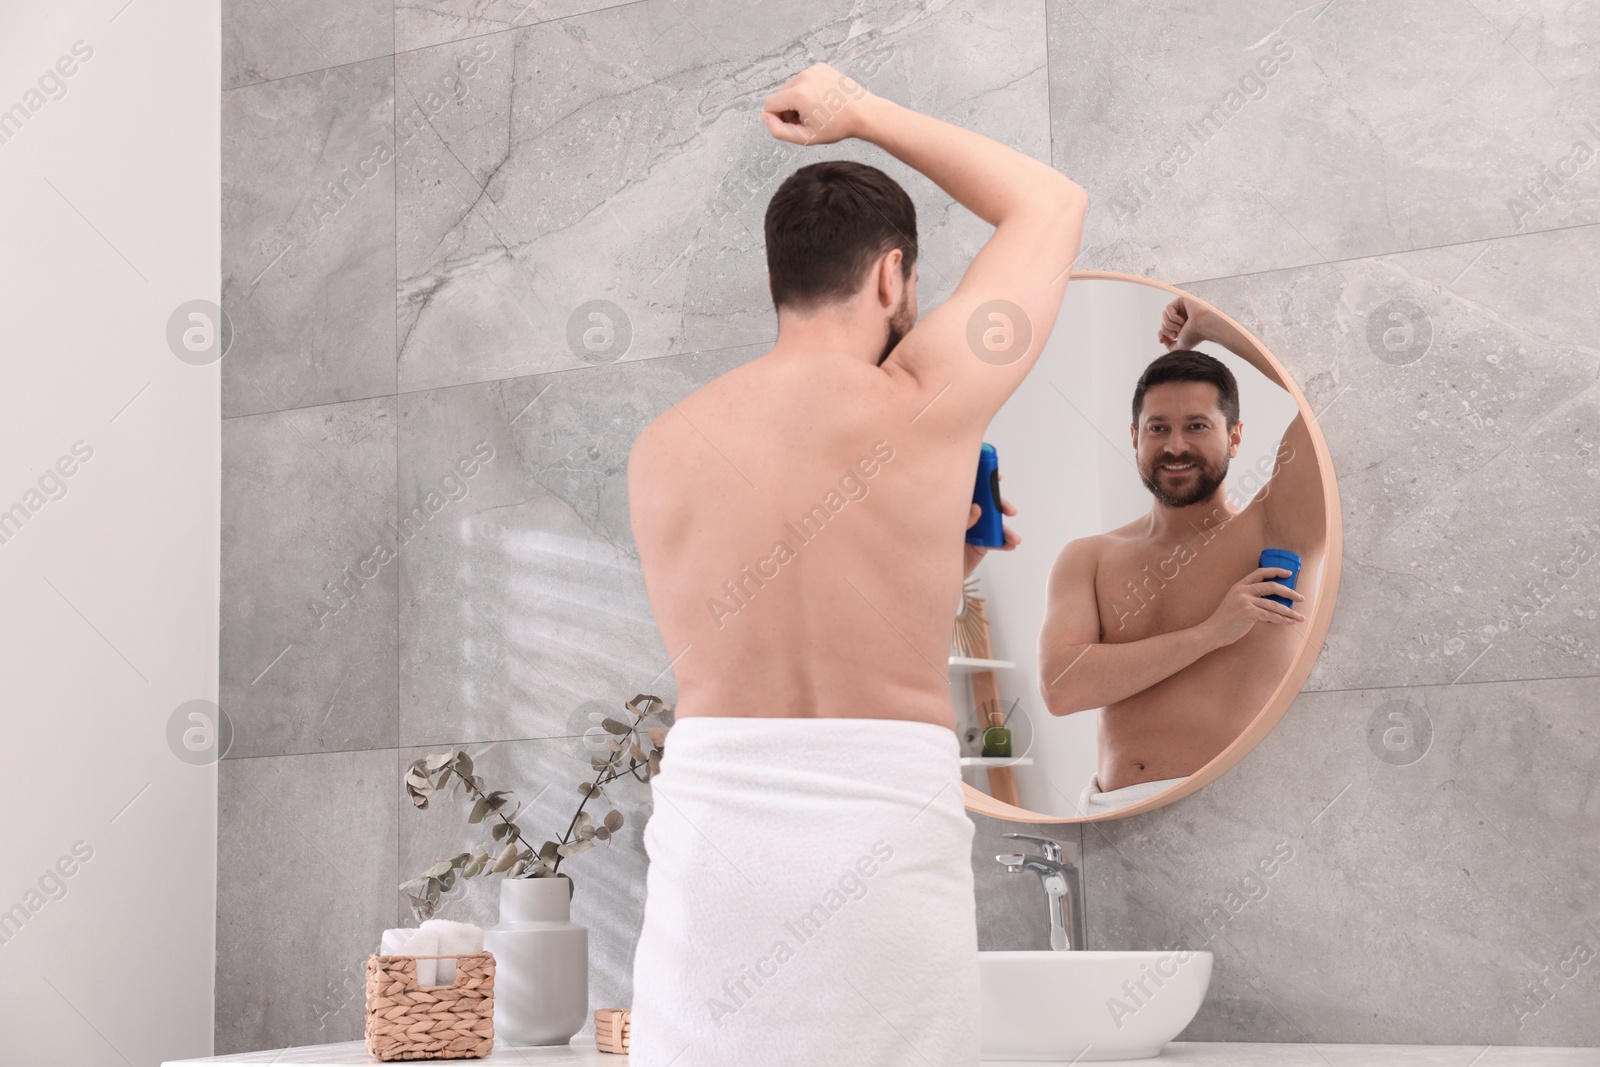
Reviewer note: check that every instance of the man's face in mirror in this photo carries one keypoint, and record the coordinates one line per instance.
(1183, 444)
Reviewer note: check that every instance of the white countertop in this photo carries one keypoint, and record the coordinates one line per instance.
(1196, 1053)
(580, 1051)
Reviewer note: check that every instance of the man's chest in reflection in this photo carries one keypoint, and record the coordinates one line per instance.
(1144, 588)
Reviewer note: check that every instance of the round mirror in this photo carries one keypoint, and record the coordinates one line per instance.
(1125, 653)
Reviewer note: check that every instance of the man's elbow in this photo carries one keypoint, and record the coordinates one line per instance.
(1063, 201)
(1075, 200)
(1061, 707)
(1059, 700)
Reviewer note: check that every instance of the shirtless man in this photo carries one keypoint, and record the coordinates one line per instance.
(858, 622)
(800, 522)
(1163, 623)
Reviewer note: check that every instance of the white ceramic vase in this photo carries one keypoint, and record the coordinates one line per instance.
(541, 963)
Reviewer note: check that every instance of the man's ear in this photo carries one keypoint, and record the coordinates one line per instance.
(888, 274)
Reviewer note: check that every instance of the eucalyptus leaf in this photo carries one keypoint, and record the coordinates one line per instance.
(627, 746)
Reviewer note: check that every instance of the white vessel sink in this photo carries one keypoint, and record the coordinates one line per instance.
(1078, 1007)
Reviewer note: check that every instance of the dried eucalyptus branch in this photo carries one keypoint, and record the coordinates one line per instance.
(640, 743)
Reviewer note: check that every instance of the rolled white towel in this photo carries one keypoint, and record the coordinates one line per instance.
(424, 942)
(455, 939)
(435, 937)
(394, 941)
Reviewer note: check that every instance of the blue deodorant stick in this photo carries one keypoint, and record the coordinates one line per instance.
(987, 532)
(1281, 557)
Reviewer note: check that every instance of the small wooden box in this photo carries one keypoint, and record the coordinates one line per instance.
(612, 1029)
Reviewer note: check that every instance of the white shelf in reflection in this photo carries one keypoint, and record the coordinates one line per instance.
(967, 663)
(996, 761)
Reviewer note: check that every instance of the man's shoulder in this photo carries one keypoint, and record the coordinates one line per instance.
(678, 434)
(1078, 561)
(1089, 546)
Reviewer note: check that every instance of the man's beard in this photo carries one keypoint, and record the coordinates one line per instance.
(1201, 486)
(900, 324)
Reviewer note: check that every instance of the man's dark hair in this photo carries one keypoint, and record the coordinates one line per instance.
(826, 225)
(1187, 365)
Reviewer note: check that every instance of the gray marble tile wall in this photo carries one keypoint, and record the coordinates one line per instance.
(418, 198)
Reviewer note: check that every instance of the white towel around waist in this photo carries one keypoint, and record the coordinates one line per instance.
(1095, 802)
(809, 898)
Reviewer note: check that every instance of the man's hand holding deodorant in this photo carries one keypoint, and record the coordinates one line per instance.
(985, 529)
(1260, 596)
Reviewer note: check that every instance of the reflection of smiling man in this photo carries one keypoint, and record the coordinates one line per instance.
(1155, 622)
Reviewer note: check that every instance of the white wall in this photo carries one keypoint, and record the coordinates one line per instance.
(1067, 464)
(109, 215)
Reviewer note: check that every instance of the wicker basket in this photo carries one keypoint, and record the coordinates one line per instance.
(406, 1021)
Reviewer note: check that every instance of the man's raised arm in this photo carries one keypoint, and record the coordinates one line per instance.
(1292, 503)
(985, 338)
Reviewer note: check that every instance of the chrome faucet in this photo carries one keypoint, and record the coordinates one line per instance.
(1063, 886)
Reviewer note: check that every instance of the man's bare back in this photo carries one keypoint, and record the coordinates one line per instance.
(800, 520)
(801, 539)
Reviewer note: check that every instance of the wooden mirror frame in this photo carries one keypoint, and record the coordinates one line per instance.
(1293, 679)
